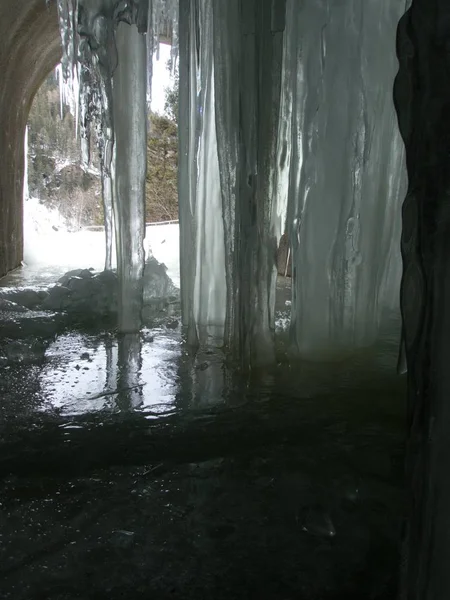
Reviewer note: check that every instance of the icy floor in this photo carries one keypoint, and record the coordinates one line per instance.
(271, 495)
(132, 468)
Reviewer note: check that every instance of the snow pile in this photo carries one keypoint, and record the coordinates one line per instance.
(88, 293)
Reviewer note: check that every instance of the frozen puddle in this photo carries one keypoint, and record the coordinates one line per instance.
(85, 374)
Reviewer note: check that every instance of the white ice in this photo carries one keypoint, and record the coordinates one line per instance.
(49, 245)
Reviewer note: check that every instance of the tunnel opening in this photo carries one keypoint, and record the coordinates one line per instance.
(63, 194)
(131, 458)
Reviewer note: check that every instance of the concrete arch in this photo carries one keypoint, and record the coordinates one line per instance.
(30, 47)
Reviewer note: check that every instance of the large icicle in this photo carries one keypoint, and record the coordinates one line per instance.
(130, 163)
(347, 169)
(202, 238)
(242, 55)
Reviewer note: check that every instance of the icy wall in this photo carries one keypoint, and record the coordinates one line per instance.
(347, 169)
(286, 124)
(230, 87)
(304, 126)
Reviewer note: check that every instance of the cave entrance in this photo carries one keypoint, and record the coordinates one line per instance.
(63, 209)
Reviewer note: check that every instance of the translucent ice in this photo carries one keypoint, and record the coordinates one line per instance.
(104, 70)
(286, 124)
(347, 170)
(305, 137)
(130, 163)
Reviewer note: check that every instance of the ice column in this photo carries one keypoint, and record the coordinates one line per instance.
(130, 161)
(105, 50)
(202, 250)
(230, 80)
(346, 169)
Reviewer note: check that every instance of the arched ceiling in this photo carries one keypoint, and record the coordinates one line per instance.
(29, 48)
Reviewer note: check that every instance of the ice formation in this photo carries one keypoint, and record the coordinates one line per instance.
(347, 170)
(304, 135)
(286, 124)
(87, 293)
(104, 74)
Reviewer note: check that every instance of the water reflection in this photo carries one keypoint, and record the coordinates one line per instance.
(129, 382)
(84, 373)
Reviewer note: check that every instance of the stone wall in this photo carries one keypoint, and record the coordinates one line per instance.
(29, 49)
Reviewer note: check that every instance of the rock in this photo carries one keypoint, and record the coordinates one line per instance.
(8, 306)
(172, 324)
(26, 297)
(81, 273)
(24, 351)
(58, 298)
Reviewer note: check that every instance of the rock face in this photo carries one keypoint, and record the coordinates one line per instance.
(29, 48)
(422, 98)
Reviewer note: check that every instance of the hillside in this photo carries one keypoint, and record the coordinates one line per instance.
(55, 175)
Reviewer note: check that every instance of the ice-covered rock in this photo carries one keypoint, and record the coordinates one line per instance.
(8, 306)
(26, 297)
(42, 324)
(26, 351)
(81, 273)
(157, 284)
(58, 298)
(85, 292)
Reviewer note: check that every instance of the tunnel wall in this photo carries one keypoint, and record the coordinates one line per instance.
(29, 48)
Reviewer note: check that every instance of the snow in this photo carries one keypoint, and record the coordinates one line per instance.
(48, 244)
(162, 78)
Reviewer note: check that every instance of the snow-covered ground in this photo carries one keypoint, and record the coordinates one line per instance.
(49, 248)
(47, 243)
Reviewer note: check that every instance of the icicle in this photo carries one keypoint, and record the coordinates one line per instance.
(130, 161)
(228, 264)
(89, 61)
(59, 77)
(26, 191)
(68, 19)
(202, 246)
(209, 301)
(107, 195)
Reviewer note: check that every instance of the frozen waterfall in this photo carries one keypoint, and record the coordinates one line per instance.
(286, 124)
(347, 170)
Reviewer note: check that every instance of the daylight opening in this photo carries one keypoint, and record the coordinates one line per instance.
(63, 207)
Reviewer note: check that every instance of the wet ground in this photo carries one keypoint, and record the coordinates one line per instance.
(131, 469)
